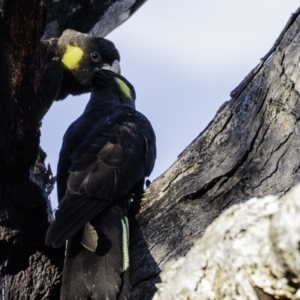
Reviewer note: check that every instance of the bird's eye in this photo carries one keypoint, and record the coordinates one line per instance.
(95, 57)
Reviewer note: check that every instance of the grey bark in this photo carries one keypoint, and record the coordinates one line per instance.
(97, 18)
(250, 149)
(250, 252)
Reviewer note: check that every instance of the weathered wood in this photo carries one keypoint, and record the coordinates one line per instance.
(98, 18)
(27, 271)
(251, 251)
(251, 148)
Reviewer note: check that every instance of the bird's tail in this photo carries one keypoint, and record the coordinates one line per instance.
(97, 260)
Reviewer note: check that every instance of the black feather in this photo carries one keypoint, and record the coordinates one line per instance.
(71, 216)
(101, 271)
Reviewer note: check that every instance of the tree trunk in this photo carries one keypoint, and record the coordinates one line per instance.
(251, 148)
(26, 268)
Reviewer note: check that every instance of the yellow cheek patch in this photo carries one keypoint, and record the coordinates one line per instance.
(72, 56)
(124, 87)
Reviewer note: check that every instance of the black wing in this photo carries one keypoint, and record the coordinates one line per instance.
(106, 165)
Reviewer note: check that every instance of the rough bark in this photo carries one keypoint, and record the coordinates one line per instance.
(251, 251)
(29, 269)
(25, 264)
(98, 18)
(250, 149)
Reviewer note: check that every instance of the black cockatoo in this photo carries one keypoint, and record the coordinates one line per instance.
(67, 65)
(106, 155)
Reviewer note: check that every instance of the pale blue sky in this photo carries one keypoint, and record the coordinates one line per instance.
(183, 58)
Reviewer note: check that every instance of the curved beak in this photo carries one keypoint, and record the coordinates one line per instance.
(115, 67)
